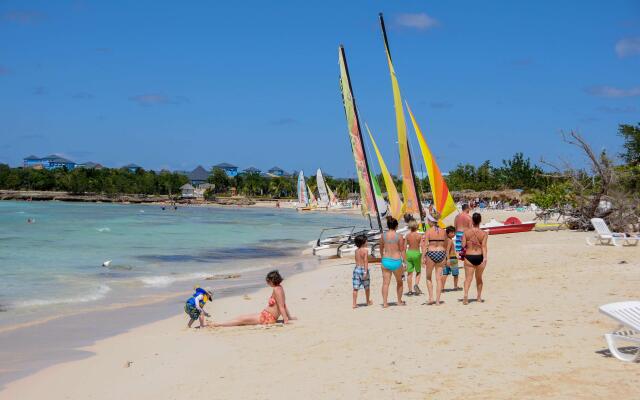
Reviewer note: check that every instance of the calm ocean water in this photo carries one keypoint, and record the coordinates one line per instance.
(54, 265)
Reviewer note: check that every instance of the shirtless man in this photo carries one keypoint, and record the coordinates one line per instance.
(462, 222)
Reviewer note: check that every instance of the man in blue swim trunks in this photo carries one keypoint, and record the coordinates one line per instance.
(462, 222)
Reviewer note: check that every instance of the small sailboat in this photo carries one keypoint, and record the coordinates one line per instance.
(303, 194)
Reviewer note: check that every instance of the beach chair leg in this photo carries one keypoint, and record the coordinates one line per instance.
(611, 342)
(618, 241)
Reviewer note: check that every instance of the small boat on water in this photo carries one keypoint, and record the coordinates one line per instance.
(510, 225)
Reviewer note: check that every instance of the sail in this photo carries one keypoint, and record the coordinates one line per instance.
(395, 205)
(355, 135)
(442, 200)
(332, 197)
(303, 198)
(382, 205)
(312, 197)
(322, 187)
(409, 193)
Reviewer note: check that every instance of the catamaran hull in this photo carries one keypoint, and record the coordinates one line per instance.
(515, 228)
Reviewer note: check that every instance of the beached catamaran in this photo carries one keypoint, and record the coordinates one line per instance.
(343, 243)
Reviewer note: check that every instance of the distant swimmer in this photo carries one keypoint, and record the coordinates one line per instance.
(106, 264)
(31, 220)
(163, 208)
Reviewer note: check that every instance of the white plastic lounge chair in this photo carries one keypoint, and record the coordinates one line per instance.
(604, 235)
(627, 313)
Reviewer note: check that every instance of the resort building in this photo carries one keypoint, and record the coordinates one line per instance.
(198, 176)
(251, 170)
(132, 167)
(187, 191)
(229, 169)
(276, 171)
(90, 165)
(50, 162)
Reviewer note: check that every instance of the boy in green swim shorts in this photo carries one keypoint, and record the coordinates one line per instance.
(414, 258)
(451, 267)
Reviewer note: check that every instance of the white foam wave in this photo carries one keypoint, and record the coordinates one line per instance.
(100, 292)
(161, 281)
(104, 229)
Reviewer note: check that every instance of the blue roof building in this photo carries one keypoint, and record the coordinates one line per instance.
(49, 162)
(198, 176)
(276, 171)
(229, 169)
(132, 167)
(251, 170)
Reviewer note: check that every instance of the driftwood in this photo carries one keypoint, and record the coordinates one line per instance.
(595, 195)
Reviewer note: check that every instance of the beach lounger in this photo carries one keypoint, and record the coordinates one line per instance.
(627, 314)
(603, 235)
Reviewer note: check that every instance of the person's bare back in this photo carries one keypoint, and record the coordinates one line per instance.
(462, 222)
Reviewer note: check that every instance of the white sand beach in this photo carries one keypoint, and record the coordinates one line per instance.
(538, 335)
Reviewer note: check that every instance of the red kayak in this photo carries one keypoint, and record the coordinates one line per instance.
(511, 225)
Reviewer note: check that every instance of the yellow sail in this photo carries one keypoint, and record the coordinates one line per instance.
(395, 206)
(442, 200)
(409, 193)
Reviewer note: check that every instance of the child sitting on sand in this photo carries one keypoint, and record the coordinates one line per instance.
(361, 278)
(194, 307)
(452, 264)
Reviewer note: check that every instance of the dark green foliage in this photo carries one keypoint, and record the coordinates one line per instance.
(516, 173)
(631, 136)
(220, 180)
(81, 180)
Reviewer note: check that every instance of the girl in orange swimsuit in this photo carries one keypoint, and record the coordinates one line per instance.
(276, 307)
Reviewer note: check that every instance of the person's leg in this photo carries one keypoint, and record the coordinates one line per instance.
(355, 298)
(386, 280)
(430, 266)
(468, 278)
(247, 319)
(416, 287)
(439, 282)
(201, 319)
(410, 280)
(398, 274)
(479, 282)
(455, 272)
(191, 321)
(445, 275)
(367, 293)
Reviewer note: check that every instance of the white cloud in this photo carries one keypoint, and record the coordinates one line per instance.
(419, 21)
(628, 47)
(610, 91)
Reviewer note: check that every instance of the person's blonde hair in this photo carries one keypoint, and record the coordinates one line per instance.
(413, 225)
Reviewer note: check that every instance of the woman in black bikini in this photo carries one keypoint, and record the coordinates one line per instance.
(474, 241)
(435, 257)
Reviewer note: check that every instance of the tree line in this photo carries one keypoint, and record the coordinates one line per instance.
(109, 181)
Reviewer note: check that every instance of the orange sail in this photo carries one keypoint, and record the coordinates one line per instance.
(442, 200)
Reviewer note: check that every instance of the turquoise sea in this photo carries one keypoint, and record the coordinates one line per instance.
(53, 265)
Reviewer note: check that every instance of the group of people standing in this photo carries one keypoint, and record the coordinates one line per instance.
(437, 249)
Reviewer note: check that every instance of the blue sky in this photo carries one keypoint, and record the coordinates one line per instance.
(177, 84)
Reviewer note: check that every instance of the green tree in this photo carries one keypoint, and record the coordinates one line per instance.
(220, 180)
(631, 136)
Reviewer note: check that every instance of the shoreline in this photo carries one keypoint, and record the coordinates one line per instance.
(148, 310)
(538, 334)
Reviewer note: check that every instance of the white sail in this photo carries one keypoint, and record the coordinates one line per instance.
(322, 188)
(303, 197)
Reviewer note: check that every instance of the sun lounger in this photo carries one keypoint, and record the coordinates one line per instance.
(603, 235)
(627, 314)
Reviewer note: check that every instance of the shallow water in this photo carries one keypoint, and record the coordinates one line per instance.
(53, 266)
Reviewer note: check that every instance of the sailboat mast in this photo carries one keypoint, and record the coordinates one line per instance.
(364, 152)
(413, 174)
